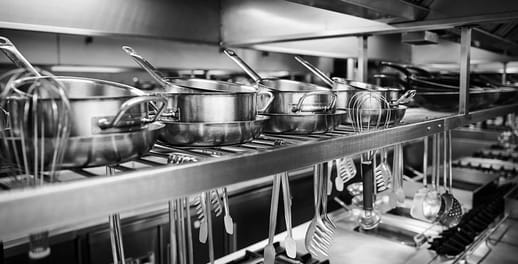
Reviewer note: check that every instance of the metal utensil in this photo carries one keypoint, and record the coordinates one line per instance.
(289, 242)
(416, 211)
(398, 179)
(368, 121)
(318, 237)
(432, 200)
(115, 231)
(452, 217)
(346, 170)
(30, 129)
(208, 218)
(269, 250)
(227, 219)
(324, 193)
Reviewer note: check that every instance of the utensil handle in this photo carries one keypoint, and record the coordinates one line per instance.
(425, 161)
(273, 207)
(286, 195)
(450, 170)
(208, 217)
(157, 75)
(16, 56)
(245, 67)
(368, 184)
(315, 71)
(270, 96)
(172, 232)
(126, 106)
(298, 107)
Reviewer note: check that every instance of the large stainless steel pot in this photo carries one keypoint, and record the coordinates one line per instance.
(202, 134)
(224, 106)
(200, 100)
(290, 96)
(96, 106)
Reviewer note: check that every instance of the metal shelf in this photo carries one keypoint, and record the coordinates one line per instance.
(149, 180)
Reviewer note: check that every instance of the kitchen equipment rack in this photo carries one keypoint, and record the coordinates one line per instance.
(76, 200)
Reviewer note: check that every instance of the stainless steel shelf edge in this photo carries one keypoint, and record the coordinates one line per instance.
(384, 29)
(49, 207)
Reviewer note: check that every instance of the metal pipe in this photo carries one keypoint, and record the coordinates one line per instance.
(465, 46)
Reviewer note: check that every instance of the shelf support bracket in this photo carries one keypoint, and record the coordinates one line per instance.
(465, 46)
(361, 75)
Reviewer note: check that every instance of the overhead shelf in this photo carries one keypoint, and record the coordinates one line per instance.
(150, 180)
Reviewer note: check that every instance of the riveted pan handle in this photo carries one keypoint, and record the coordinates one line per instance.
(298, 107)
(269, 102)
(116, 122)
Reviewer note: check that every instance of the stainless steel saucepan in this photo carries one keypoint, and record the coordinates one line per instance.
(200, 100)
(290, 96)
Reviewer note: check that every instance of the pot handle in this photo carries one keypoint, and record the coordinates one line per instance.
(104, 123)
(269, 102)
(298, 107)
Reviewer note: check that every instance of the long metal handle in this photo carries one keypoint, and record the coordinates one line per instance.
(129, 104)
(208, 217)
(116, 239)
(450, 172)
(16, 56)
(172, 232)
(146, 65)
(445, 161)
(181, 231)
(368, 184)
(190, 252)
(316, 71)
(434, 161)
(273, 207)
(425, 161)
(286, 194)
(298, 107)
(245, 67)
